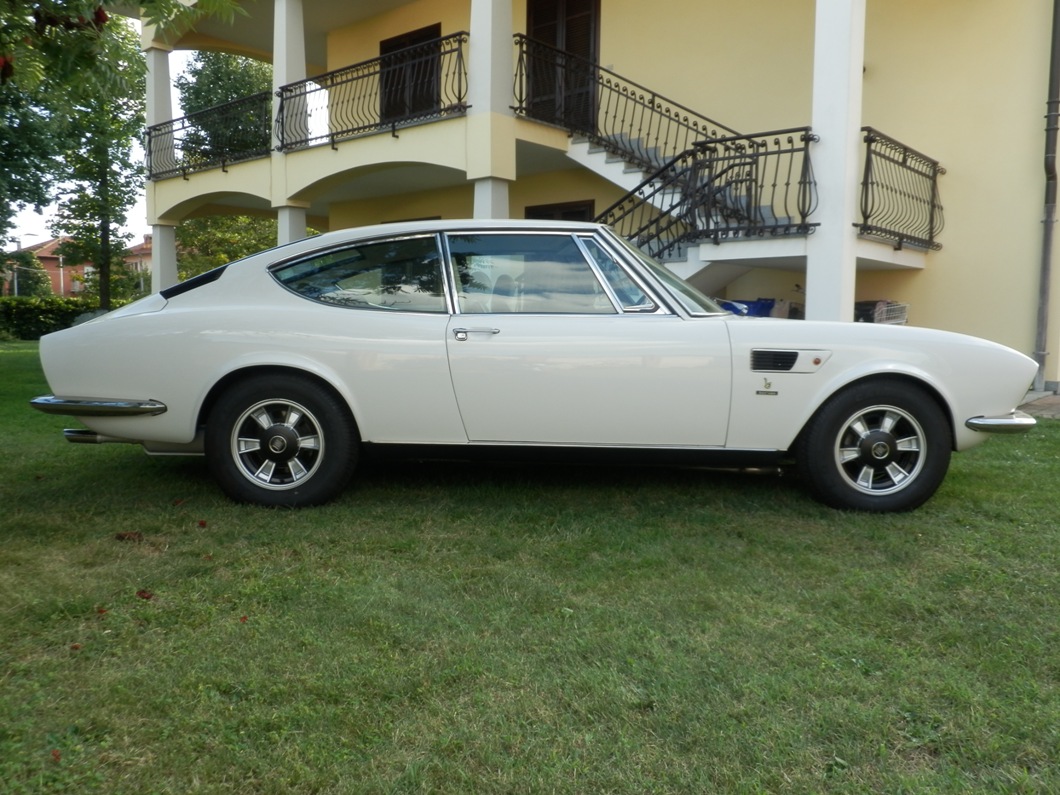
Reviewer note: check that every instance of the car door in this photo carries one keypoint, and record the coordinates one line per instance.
(544, 351)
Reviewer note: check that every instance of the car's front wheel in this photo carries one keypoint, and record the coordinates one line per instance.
(876, 446)
(281, 441)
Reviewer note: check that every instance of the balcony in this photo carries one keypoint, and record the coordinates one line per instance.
(900, 201)
(629, 120)
(213, 138)
(415, 85)
(751, 187)
(733, 188)
(704, 182)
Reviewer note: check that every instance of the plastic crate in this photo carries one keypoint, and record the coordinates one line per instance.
(760, 307)
(881, 312)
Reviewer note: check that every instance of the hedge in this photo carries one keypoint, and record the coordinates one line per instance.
(31, 318)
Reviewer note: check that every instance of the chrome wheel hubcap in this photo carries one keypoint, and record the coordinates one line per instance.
(277, 444)
(880, 450)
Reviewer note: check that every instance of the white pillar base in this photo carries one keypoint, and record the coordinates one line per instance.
(491, 198)
(290, 224)
(163, 257)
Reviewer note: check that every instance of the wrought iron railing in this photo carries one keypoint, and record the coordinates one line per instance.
(211, 138)
(619, 115)
(900, 193)
(722, 189)
(410, 86)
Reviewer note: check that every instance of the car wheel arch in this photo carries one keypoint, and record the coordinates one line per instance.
(880, 445)
(899, 379)
(242, 374)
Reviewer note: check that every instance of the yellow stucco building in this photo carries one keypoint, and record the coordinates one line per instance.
(741, 127)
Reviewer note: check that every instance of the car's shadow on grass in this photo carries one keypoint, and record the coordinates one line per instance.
(410, 507)
(122, 480)
(387, 480)
(547, 478)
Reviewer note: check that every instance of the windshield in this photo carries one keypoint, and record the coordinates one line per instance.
(693, 301)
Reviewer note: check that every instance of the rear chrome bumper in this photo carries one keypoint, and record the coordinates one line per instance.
(1014, 422)
(97, 407)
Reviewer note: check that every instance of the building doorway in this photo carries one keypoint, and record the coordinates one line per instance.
(567, 211)
(562, 75)
(410, 74)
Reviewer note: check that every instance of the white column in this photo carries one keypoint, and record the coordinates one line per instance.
(838, 61)
(288, 51)
(290, 224)
(159, 109)
(490, 50)
(491, 198)
(161, 152)
(163, 257)
(159, 92)
(288, 66)
(491, 155)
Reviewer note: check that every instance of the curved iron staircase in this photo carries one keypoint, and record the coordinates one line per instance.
(700, 180)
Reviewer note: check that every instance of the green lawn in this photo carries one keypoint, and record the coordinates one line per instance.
(520, 629)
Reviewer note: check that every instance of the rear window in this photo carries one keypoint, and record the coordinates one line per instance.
(394, 275)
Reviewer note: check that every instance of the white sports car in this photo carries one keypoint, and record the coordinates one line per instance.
(454, 339)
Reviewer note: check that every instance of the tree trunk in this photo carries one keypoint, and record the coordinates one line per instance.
(104, 238)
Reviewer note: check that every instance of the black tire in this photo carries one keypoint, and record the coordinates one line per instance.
(877, 446)
(281, 441)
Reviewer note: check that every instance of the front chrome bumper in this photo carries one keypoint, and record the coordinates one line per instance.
(1014, 422)
(97, 407)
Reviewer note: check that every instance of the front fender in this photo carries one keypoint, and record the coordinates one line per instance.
(968, 376)
(771, 409)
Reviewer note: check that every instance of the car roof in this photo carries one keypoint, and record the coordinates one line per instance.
(340, 237)
(451, 225)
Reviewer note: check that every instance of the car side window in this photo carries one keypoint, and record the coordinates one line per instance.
(525, 273)
(628, 292)
(402, 275)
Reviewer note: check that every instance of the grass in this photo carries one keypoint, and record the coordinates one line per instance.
(519, 629)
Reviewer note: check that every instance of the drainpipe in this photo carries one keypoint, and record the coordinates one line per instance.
(1052, 117)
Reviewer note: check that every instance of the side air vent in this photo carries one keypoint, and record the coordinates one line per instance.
(773, 361)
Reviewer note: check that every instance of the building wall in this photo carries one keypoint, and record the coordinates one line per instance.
(360, 42)
(966, 81)
(560, 187)
(453, 203)
(963, 81)
(443, 203)
(746, 65)
(65, 280)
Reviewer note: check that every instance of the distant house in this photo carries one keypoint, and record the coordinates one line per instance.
(66, 279)
(138, 259)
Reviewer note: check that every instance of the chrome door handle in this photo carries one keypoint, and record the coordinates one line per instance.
(461, 333)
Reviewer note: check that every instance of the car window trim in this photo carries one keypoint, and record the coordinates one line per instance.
(657, 306)
(666, 303)
(604, 283)
(353, 244)
(451, 271)
(677, 306)
(452, 294)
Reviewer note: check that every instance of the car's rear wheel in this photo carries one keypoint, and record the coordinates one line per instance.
(877, 446)
(281, 441)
